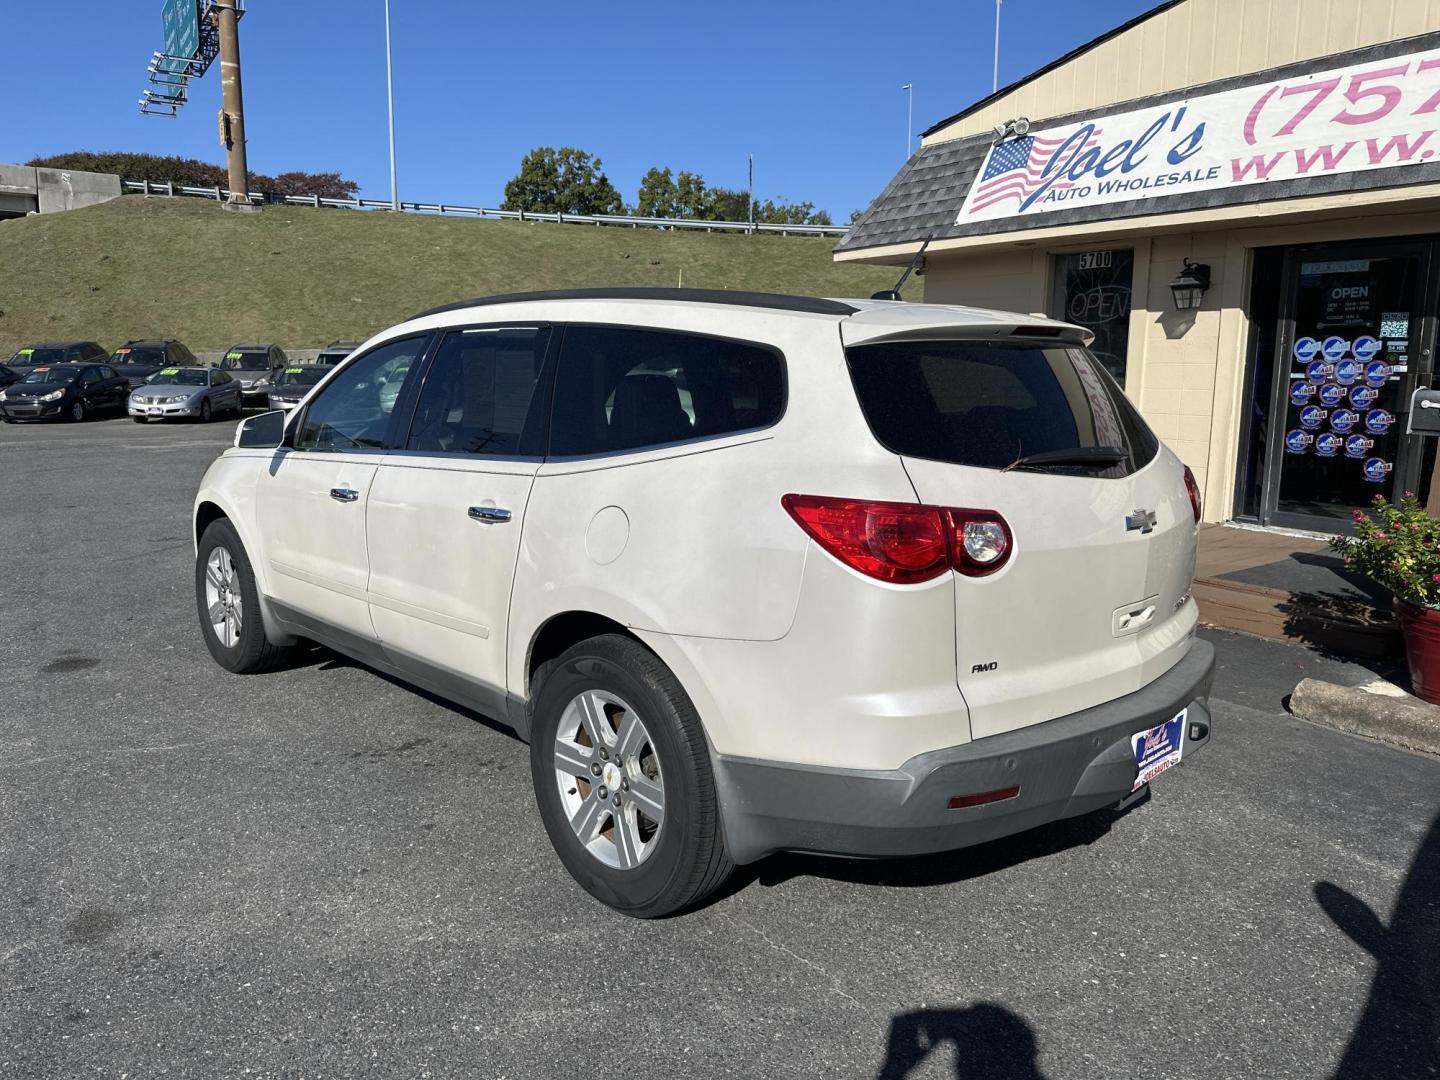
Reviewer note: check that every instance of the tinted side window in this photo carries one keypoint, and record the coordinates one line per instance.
(353, 412)
(479, 394)
(90, 376)
(621, 389)
(984, 404)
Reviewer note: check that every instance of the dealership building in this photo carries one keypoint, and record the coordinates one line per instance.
(1239, 199)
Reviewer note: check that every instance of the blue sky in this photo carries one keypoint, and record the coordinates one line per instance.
(811, 88)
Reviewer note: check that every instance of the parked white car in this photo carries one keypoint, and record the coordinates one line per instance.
(750, 572)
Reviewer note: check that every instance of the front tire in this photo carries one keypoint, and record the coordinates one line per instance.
(78, 413)
(228, 604)
(642, 834)
(205, 411)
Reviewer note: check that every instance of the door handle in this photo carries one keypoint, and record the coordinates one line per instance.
(344, 494)
(492, 514)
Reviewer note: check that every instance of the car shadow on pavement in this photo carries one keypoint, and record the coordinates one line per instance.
(1399, 1030)
(947, 867)
(989, 1043)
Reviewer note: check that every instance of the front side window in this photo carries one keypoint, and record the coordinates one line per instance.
(353, 412)
(990, 405)
(619, 388)
(478, 394)
(90, 376)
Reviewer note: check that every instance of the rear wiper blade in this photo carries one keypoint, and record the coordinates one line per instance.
(1101, 457)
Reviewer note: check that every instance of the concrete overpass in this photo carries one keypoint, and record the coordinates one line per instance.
(25, 190)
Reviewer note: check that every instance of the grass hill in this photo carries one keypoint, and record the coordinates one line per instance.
(138, 267)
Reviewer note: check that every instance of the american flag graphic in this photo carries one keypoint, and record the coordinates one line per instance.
(1014, 168)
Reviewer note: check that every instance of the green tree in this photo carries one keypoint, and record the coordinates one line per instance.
(783, 213)
(659, 196)
(564, 181)
(726, 204)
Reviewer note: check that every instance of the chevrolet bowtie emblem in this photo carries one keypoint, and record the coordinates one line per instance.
(1143, 520)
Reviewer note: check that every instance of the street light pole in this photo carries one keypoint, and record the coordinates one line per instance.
(909, 118)
(995, 71)
(390, 95)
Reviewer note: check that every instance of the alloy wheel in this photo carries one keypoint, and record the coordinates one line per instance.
(223, 603)
(608, 773)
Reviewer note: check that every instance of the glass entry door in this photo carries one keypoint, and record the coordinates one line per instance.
(1357, 329)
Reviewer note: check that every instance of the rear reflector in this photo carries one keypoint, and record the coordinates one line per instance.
(960, 802)
(903, 543)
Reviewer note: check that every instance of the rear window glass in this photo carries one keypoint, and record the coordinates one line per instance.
(988, 404)
(245, 361)
(149, 357)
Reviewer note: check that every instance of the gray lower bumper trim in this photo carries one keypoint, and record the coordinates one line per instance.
(1064, 767)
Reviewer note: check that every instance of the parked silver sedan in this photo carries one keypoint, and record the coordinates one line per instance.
(196, 393)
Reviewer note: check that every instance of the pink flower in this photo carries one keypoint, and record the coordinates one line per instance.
(1435, 577)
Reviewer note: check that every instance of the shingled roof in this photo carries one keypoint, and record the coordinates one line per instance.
(925, 197)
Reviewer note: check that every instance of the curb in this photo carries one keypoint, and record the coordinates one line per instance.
(1389, 715)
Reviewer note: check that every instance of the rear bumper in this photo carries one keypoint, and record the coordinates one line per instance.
(1064, 767)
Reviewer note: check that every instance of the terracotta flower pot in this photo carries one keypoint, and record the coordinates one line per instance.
(1421, 627)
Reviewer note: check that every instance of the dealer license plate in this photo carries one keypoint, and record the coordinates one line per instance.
(1159, 748)
(155, 411)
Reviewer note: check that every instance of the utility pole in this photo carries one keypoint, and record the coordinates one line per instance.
(390, 94)
(232, 111)
(751, 198)
(909, 118)
(995, 71)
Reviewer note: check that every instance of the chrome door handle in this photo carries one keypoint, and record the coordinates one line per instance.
(344, 494)
(492, 514)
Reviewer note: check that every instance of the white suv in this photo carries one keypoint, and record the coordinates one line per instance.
(750, 572)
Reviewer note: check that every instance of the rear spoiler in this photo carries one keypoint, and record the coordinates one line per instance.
(863, 332)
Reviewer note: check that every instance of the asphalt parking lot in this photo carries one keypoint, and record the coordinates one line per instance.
(321, 873)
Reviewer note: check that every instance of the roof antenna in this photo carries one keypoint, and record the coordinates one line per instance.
(894, 294)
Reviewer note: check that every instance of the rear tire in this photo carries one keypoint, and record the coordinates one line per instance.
(654, 752)
(228, 604)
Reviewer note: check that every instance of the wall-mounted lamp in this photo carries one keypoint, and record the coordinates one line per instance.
(1189, 285)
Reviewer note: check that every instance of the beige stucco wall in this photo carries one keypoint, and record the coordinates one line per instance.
(1186, 371)
(1197, 42)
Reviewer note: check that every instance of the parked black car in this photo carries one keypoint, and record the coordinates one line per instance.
(64, 392)
(252, 366)
(138, 360)
(57, 352)
(8, 375)
(336, 351)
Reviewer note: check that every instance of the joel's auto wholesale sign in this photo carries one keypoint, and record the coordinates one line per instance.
(1376, 115)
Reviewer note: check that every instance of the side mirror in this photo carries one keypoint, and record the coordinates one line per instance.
(263, 432)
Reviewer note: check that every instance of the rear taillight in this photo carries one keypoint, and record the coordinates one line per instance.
(903, 543)
(1193, 490)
